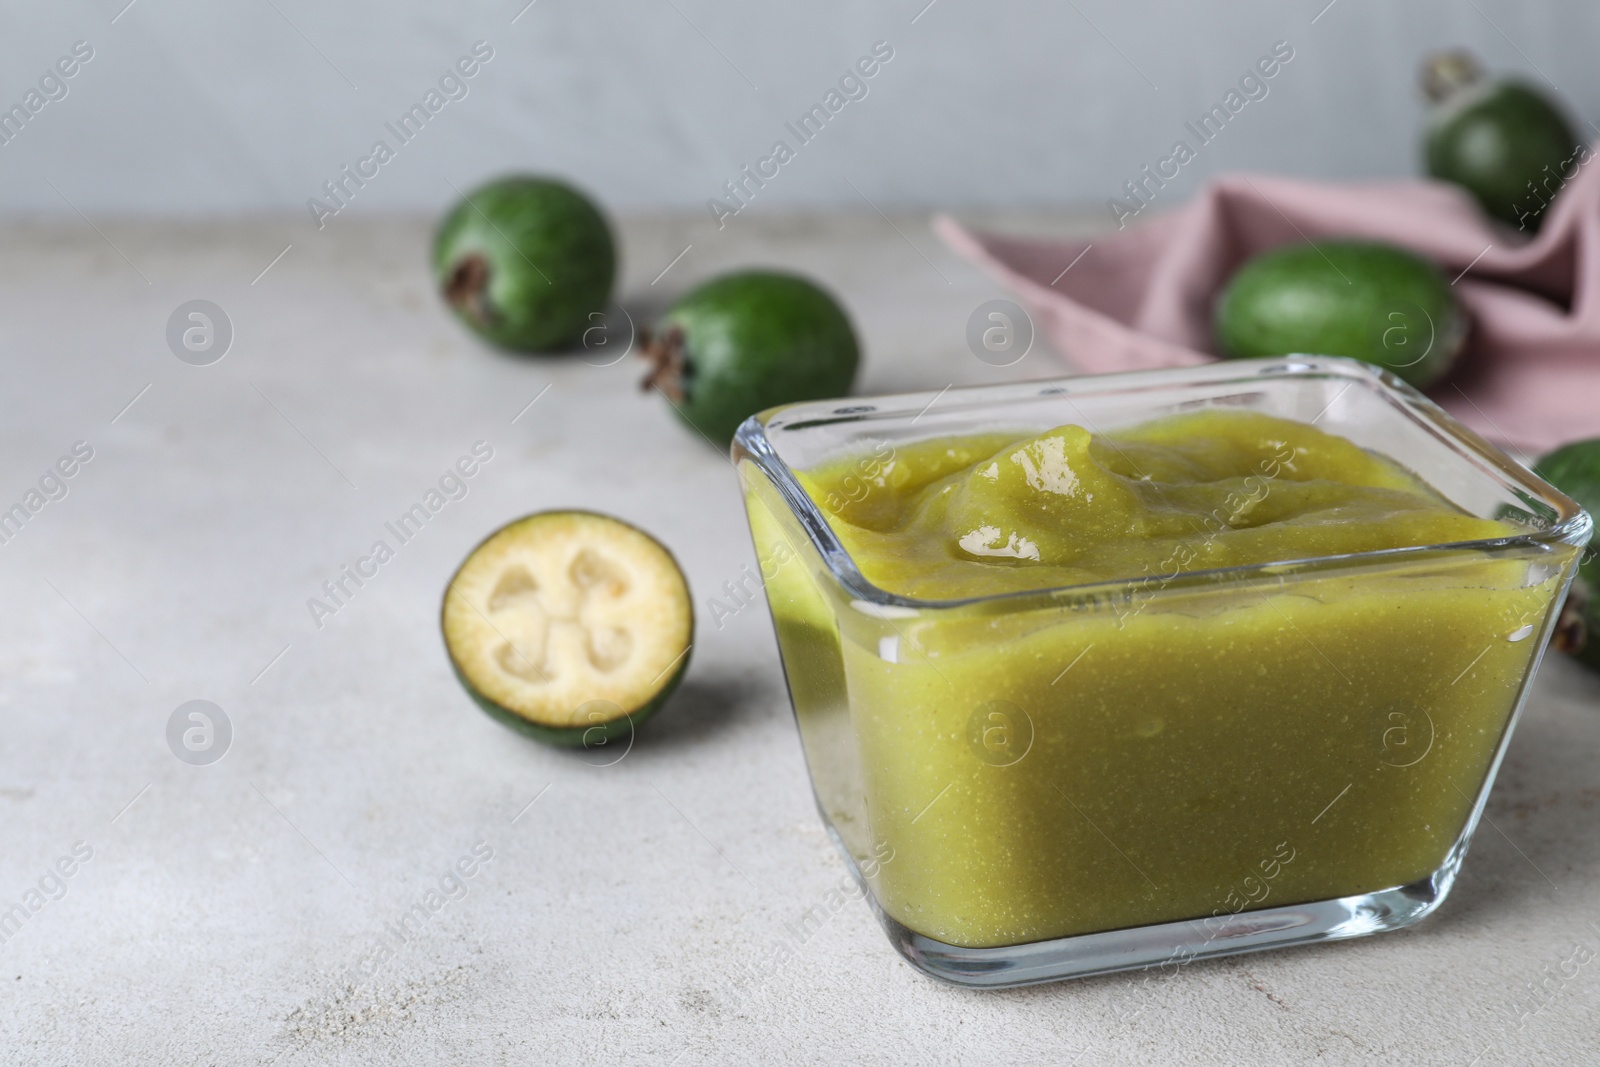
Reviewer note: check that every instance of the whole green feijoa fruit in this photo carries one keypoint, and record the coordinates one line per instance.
(1503, 141)
(1575, 470)
(748, 341)
(1362, 299)
(526, 262)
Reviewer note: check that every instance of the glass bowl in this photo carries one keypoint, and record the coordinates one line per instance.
(1170, 766)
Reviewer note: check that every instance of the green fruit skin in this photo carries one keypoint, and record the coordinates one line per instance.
(1575, 470)
(1508, 146)
(552, 261)
(756, 339)
(1360, 299)
(574, 736)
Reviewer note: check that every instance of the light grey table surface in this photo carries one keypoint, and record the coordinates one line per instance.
(229, 914)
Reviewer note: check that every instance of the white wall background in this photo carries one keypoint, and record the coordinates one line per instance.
(196, 108)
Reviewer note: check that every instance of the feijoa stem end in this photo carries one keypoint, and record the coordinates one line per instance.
(664, 352)
(1444, 74)
(466, 288)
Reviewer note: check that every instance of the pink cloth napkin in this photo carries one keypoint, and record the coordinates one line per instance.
(1142, 297)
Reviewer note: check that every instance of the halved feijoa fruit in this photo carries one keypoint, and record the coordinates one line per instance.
(569, 626)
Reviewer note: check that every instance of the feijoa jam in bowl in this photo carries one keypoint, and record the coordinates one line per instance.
(1135, 669)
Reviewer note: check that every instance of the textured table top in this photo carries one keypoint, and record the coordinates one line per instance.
(250, 911)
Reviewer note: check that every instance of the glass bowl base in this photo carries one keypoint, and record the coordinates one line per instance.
(1169, 946)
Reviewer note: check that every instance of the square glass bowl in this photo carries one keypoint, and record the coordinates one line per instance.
(1066, 782)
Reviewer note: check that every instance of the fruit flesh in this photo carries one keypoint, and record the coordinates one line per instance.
(1179, 743)
(568, 622)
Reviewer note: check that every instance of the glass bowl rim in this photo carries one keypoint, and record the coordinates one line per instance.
(752, 443)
